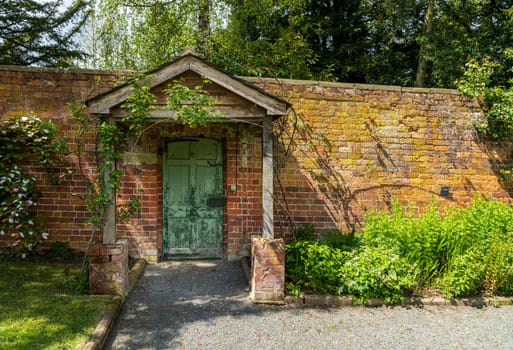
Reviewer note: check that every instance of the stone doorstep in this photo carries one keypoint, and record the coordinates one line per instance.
(102, 330)
(335, 300)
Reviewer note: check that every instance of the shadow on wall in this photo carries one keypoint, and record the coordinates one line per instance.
(500, 158)
(325, 178)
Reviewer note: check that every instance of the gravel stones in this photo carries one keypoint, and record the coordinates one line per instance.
(205, 305)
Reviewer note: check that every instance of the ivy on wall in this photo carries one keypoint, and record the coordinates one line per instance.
(490, 83)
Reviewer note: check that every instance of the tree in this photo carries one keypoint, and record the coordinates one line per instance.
(142, 34)
(40, 33)
(421, 43)
(391, 52)
(263, 38)
(455, 30)
(422, 66)
(335, 31)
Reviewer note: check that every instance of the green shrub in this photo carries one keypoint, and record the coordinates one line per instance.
(417, 239)
(373, 272)
(475, 226)
(465, 276)
(432, 241)
(306, 233)
(313, 266)
(507, 288)
(466, 252)
(498, 265)
(25, 140)
(337, 239)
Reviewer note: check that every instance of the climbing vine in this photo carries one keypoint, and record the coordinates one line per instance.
(487, 81)
(490, 83)
(23, 141)
(190, 106)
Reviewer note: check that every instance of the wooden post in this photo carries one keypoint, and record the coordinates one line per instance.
(109, 216)
(267, 178)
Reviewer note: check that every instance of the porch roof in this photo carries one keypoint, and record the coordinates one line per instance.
(189, 61)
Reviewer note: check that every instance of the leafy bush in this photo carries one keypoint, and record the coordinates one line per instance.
(417, 239)
(306, 233)
(498, 264)
(432, 241)
(466, 252)
(17, 199)
(374, 272)
(475, 225)
(465, 276)
(314, 266)
(337, 239)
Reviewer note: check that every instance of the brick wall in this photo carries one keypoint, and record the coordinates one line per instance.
(45, 93)
(343, 149)
(355, 147)
(242, 167)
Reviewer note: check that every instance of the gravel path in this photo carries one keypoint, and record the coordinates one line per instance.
(204, 305)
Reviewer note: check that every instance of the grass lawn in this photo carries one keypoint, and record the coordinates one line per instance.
(39, 308)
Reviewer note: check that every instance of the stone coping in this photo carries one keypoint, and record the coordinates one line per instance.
(355, 86)
(334, 300)
(102, 330)
(65, 70)
(254, 80)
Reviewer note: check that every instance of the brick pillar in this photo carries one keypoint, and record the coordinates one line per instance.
(108, 268)
(268, 270)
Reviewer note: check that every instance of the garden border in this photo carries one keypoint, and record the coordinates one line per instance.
(102, 330)
(338, 300)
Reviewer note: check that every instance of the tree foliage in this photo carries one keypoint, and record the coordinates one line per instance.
(142, 34)
(490, 82)
(412, 42)
(40, 33)
(264, 38)
(422, 43)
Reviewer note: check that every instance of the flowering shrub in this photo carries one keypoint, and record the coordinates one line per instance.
(26, 138)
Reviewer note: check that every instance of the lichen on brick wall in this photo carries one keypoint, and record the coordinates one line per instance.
(343, 149)
(352, 148)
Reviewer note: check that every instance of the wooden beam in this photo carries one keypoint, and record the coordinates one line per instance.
(272, 105)
(104, 103)
(228, 113)
(267, 178)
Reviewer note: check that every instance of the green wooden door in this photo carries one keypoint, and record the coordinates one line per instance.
(193, 199)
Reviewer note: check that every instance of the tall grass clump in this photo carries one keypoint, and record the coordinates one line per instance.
(465, 252)
(417, 239)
